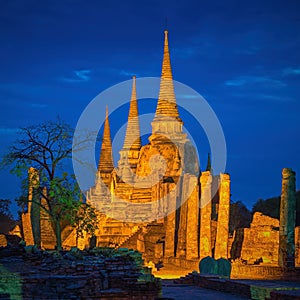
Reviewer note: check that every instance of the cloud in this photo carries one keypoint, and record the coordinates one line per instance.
(38, 105)
(273, 98)
(83, 74)
(265, 81)
(235, 82)
(248, 51)
(22, 88)
(78, 76)
(267, 98)
(187, 96)
(127, 73)
(291, 71)
(7, 130)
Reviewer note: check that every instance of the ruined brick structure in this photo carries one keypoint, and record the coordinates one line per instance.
(261, 240)
(270, 242)
(159, 177)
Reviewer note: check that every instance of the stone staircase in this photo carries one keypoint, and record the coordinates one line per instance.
(187, 279)
(151, 233)
(131, 241)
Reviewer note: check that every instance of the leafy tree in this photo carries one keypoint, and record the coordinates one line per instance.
(62, 201)
(47, 147)
(22, 202)
(6, 219)
(84, 219)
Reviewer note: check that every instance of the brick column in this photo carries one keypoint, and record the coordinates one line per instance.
(170, 219)
(192, 219)
(221, 247)
(205, 215)
(182, 230)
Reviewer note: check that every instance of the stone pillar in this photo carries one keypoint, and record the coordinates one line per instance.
(27, 224)
(182, 229)
(205, 215)
(170, 219)
(286, 257)
(27, 229)
(156, 206)
(32, 182)
(297, 246)
(221, 247)
(192, 220)
(34, 204)
(48, 238)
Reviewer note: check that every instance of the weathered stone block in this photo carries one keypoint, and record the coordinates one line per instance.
(224, 267)
(208, 265)
(3, 241)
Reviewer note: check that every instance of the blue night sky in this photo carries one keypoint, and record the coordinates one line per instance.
(242, 56)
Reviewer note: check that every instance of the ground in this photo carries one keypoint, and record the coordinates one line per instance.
(169, 271)
(187, 292)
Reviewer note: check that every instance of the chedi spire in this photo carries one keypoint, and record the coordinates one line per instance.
(132, 138)
(166, 106)
(106, 159)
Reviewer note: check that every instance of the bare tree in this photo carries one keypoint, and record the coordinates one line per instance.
(47, 147)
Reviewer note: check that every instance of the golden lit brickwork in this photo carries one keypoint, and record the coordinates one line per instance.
(190, 210)
(223, 218)
(106, 160)
(205, 218)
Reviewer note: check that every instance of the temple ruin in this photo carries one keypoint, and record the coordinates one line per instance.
(164, 178)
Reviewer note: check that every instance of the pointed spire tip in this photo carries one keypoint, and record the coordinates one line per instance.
(106, 159)
(208, 166)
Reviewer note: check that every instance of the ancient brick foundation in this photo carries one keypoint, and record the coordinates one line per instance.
(76, 275)
(240, 271)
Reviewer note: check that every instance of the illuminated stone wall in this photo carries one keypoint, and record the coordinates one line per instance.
(261, 240)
